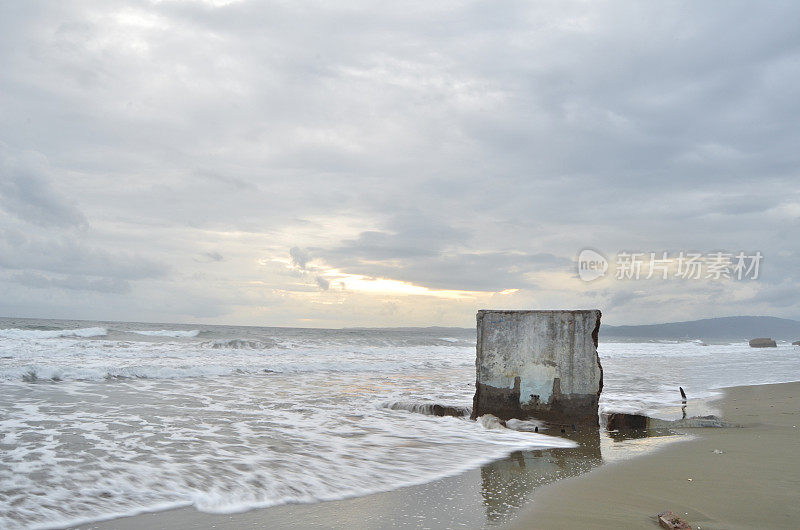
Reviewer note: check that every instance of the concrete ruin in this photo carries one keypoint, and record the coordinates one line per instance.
(763, 342)
(538, 364)
(621, 421)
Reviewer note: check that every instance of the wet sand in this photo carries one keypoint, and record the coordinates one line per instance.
(753, 483)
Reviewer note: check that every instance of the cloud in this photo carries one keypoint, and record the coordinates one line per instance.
(424, 249)
(470, 147)
(27, 193)
(300, 257)
(76, 283)
(209, 257)
(70, 255)
(45, 238)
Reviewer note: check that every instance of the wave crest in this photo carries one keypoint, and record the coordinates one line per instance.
(167, 332)
(240, 344)
(15, 333)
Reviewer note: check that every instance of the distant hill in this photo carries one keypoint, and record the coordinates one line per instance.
(725, 328)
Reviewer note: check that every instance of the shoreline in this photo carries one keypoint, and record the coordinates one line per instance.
(539, 487)
(739, 477)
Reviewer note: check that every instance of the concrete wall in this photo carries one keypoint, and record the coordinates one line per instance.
(540, 364)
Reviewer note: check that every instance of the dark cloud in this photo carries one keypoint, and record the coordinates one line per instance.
(208, 257)
(300, 257)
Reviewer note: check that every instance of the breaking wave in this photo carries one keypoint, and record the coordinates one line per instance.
(15, 333)
(167, 333)
(490, 422)
(240, 344)
(32, 373)
(39, 374)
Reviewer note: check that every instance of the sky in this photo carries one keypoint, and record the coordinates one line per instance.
(344, 164)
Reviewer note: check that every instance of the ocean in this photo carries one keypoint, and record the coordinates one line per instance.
(105, 419)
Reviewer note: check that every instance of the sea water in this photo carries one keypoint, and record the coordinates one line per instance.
(101, 419)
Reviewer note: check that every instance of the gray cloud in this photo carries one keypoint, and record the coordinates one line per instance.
(27, 193)
(66, 254)
(470, 147)
(300, 257)
(78, 283)
(323, 283)
(209, 257)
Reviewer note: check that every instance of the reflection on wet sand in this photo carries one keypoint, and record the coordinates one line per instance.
(507, 484)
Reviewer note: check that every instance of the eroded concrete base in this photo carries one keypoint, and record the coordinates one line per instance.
(620, 421)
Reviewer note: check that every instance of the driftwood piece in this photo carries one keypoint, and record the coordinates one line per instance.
(672, 522)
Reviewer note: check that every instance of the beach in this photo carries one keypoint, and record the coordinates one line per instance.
(741, 477)
(200, 425)
(753, 483)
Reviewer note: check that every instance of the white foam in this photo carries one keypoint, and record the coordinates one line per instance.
(66, 359)
(240, 344)
(223, 448)
(489, 421)
(167, 332)
(14, 333)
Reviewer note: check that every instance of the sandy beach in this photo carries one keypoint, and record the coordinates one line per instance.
(753, 482)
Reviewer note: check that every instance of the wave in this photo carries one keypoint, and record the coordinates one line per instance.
(431, 409)
(491, 422)
(245, 490)
(167, 332)
(37, 372)
(240, 344)
(15, 333)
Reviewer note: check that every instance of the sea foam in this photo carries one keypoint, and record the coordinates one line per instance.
(15, 333)
(167, 332)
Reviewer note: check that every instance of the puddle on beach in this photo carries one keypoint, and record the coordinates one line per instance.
(507, 484)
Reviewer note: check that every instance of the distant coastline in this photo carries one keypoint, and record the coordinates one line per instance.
(735, 328)
(723, 328)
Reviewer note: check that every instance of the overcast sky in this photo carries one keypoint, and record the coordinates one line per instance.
(390, 164)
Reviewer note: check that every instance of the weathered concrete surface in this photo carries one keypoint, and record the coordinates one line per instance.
(620, 421)
(540, 364)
